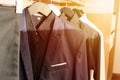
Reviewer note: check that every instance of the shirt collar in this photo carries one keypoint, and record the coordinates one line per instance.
(43, 28)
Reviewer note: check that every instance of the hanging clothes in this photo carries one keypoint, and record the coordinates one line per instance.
(9, 40)
(55, 51)
(48, 47)
(94, 49)
(26, 71)
(85, 20)
(100, 71)
(93, 44)
(37, 43)
(61, 48)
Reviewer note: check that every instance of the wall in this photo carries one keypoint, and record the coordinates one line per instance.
(99, 6)
(116, 68)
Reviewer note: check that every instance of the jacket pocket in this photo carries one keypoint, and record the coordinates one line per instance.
(55, 58)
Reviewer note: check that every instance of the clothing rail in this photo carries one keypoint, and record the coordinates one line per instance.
(20, 4)
(68, 3)
(64, 3)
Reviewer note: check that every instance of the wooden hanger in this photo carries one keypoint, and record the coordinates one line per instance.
(54, 8)
(78, 12)
(69, 3)
(68, 12)
(39, 7)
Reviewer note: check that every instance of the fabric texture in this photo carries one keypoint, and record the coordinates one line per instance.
(56, 53)
(26, 70)
(93, 43)
(9, 43)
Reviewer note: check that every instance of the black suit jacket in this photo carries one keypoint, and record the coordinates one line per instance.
(26, 70)
(93, 48)
(66, 54)
(58, 50)
(93, 42)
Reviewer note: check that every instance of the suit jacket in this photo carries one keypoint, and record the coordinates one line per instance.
(38, 40)
(93, 43)
(58, 50)
(26, 71)
(9, 43)
(94, 48)
(65, 57)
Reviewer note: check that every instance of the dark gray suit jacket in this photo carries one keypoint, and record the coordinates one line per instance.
(9, 43)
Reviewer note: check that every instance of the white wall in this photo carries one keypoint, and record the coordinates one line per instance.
(99, 6)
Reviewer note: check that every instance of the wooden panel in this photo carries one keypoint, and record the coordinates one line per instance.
(103, 22)
(45, 1)
(116, 76)
(110, 68)
(63, 3)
